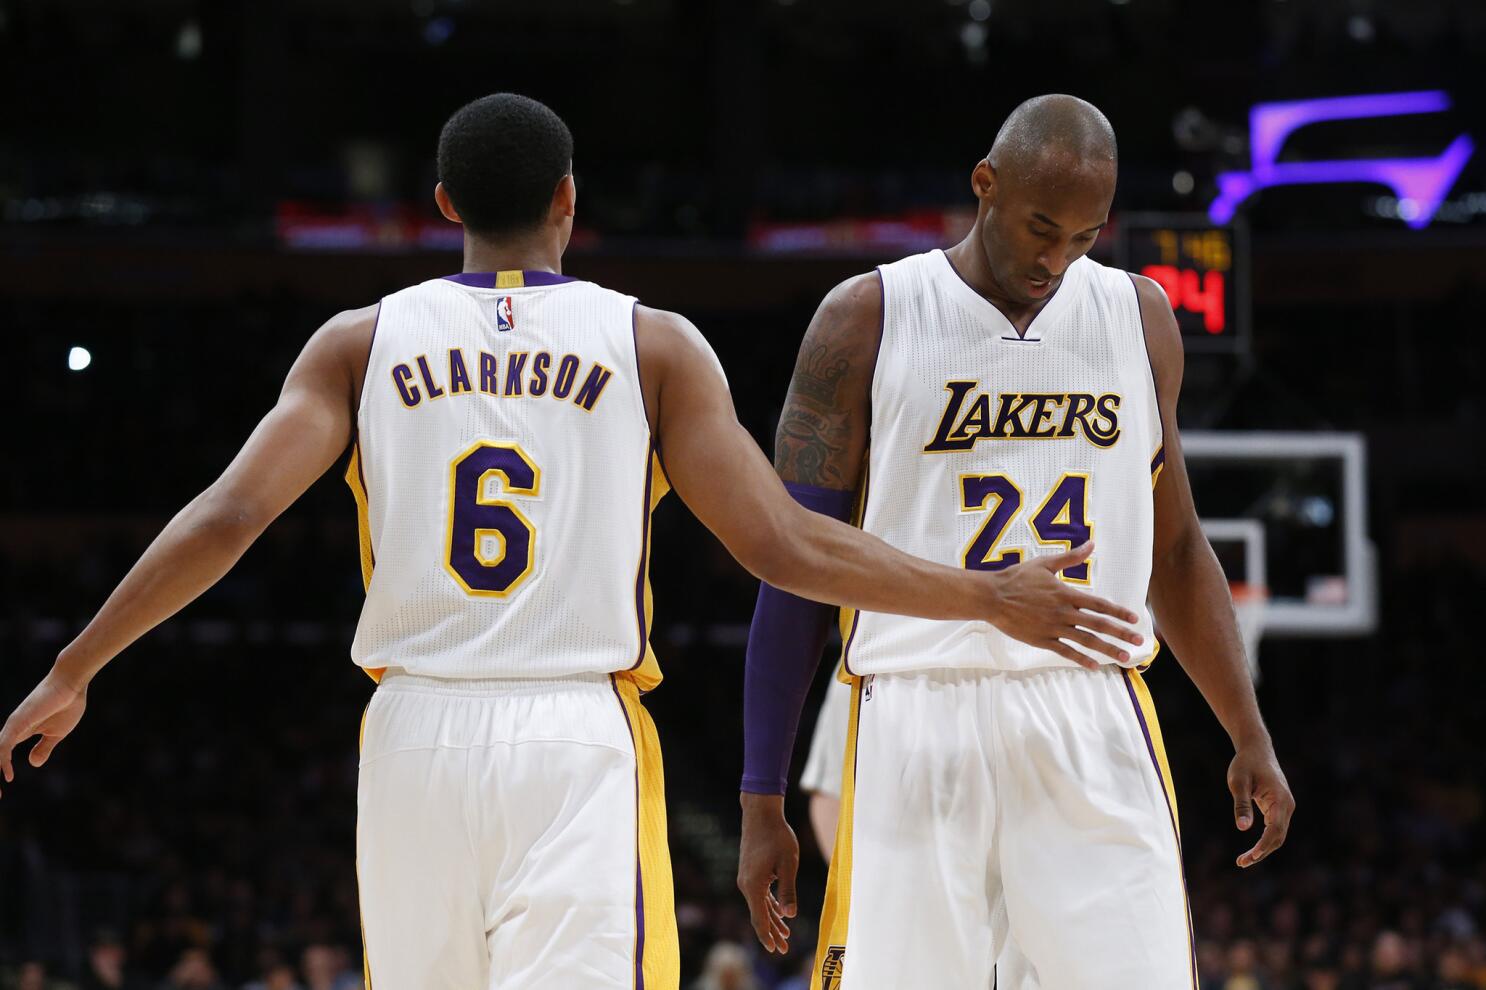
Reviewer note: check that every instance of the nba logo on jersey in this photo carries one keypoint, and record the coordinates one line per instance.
(504, 318)
(832, 967)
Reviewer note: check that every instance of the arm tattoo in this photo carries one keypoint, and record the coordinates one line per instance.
(819, 374)
(822, 430)
(809, 446)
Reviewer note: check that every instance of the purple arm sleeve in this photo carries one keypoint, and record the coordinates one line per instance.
(784, 647)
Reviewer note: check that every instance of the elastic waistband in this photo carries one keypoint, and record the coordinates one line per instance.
(978, 673)
(397, 679)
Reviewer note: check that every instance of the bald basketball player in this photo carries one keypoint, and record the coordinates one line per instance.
(1007, 811)
(506, 427)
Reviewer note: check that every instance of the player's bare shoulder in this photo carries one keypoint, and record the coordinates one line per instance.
(840, 345)
(351, 331)
(659, 331)
(822, 434)
(668, 344)
(336, 354)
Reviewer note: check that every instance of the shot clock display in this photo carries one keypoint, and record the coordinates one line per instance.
(1202, 267)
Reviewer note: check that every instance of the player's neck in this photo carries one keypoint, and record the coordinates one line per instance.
(970, 261)
(534, 253)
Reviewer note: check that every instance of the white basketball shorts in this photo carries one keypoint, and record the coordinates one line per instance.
(1015, 827)
(511, 834)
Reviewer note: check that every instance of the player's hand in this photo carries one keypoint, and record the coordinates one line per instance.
(51, 711)
(1035, 606)
(1256, 780)
(769, 853)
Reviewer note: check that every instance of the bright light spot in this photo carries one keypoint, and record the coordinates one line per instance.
(1183, 182)
(188, 41)
(973, 36)
(78, 358)
(1317, 511)
(1360, 28)
(1408, 209)
(979, 10)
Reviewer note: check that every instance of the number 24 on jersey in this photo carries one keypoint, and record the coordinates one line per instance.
(1061, 520)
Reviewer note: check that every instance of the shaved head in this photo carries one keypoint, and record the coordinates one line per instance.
(1045, 191)
(1053, 134)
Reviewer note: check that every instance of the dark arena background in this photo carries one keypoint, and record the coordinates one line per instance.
(188, 189)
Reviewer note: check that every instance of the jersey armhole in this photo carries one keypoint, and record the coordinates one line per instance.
(877, 351)
(1150, 365)
(371, 349)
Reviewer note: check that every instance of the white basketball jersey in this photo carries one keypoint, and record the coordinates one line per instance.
(989, 448)
(505, 477)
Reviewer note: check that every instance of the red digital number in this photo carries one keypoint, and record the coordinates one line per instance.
(1200, 293)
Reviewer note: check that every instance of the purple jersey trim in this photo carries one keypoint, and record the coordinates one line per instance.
(643, 570)
(529, 279)
(1150, 363)
(856, 615)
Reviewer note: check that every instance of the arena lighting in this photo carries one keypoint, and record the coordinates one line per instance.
(1420, 182)
(79, 358)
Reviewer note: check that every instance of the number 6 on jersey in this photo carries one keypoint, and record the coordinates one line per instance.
(490, 544)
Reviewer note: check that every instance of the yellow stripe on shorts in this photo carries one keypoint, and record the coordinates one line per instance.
(657, 946)
(830, 949)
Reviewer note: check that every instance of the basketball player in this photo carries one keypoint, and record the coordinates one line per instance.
(506, 428)
(1002, 801)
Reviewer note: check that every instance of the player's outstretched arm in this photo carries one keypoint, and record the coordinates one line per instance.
(723, 477)
(1194, 609)
(307, 430)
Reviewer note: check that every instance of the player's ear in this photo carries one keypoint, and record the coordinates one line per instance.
(446, 205)
(983, 182)
(565, 197)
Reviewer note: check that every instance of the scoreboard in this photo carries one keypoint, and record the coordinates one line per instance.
(1202, 266)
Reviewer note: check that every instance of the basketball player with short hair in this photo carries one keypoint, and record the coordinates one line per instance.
(1006, 806)
(506, 429)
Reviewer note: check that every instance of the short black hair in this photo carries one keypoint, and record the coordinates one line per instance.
(500, 158)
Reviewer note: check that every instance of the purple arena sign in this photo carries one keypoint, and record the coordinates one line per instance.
(1419, 183)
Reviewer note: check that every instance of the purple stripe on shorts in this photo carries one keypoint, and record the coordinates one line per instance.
(639, 875)
(1150, 747)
